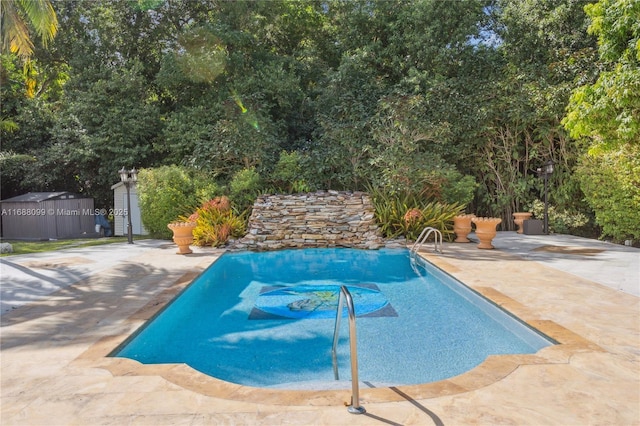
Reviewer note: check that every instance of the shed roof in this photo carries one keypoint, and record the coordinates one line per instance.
(36, 197)
(119, 184)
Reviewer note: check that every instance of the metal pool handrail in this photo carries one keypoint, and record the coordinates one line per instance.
(355, 407)
(426, 232)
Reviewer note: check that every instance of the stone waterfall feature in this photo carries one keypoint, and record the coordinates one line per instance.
(318, 219)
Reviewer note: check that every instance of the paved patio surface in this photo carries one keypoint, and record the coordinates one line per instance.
(63, 312)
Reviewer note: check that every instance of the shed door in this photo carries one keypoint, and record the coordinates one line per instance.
(136, 222)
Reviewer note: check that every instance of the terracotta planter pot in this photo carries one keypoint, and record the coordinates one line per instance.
(182, 235)
(462, 227)
(519, 218)
(486, 230)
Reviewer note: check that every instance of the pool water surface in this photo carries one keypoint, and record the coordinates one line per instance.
(267, 320)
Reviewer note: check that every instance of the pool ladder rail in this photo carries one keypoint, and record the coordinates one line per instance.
(424, 235)
(345, 295)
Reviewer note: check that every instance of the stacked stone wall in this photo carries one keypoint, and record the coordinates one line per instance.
(318, 219)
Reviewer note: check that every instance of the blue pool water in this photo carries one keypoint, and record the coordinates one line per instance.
(267, 319)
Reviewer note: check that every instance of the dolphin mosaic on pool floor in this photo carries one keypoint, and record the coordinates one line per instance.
(318, 302)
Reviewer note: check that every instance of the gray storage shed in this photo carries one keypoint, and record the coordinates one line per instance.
(48, 215)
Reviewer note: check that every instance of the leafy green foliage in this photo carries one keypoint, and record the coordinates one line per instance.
(458, 102)
(606, 114)
(13, 168)
(288, 176)
(244, 187)
(544, 54)
(616, 24)
(561, 221)
(344, 111)
(19, 18)
(607, 111)
(407, 214)
(611, 183)
(458, 189)
(168, 192)
(401, 155)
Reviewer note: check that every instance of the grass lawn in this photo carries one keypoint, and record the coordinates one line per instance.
(26, 247)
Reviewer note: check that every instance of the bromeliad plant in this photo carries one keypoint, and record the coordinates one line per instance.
(407, 215)
(216, 222)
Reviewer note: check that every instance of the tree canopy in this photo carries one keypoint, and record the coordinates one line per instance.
(21, 17)
(455, 101)
(605, 115)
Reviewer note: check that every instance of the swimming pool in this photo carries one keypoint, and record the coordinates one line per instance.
(266, 319)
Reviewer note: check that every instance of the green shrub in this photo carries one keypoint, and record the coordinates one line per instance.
(407, 215)
(167, 192)
(286, 177)
(610, 181)
(560, 221)
(457, 188)
(245, 186)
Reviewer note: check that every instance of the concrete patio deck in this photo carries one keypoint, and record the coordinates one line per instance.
(54, 341)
